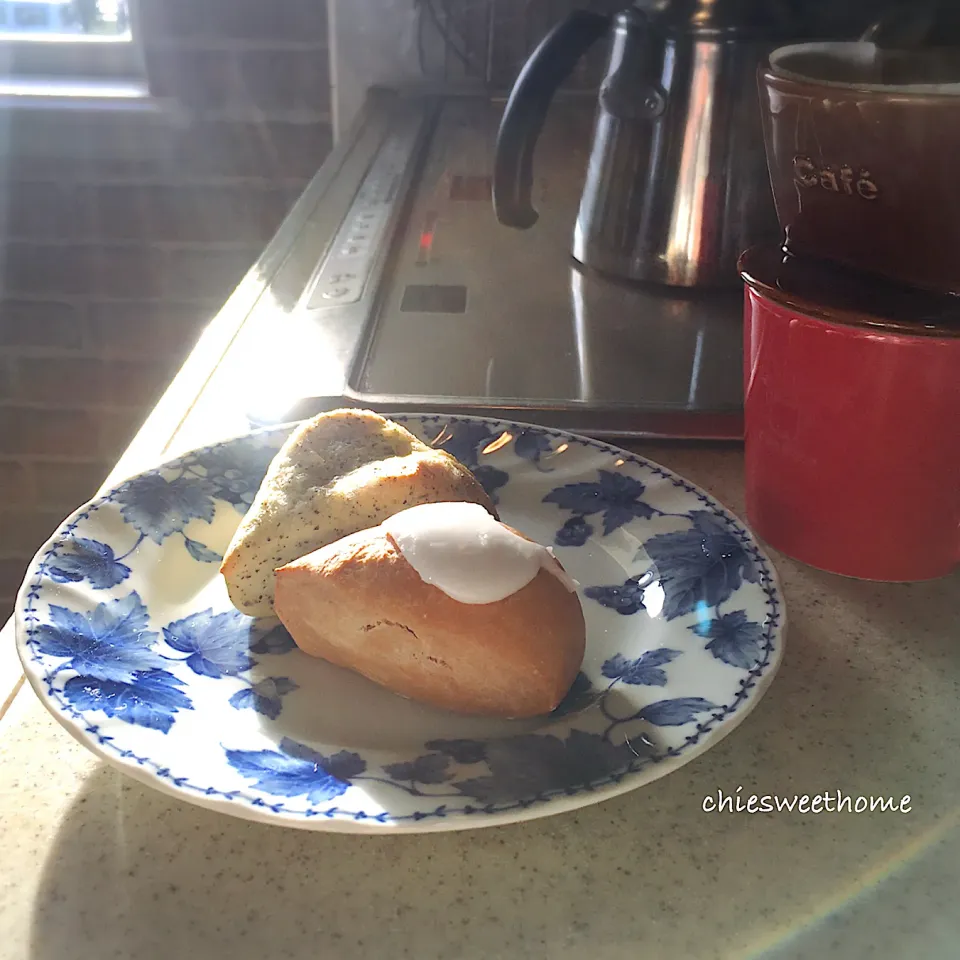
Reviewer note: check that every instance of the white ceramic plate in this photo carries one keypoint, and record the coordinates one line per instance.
(127, 635)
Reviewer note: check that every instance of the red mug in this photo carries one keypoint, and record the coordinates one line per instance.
(852, 420)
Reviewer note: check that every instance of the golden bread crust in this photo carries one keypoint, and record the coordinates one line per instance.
(358, 603)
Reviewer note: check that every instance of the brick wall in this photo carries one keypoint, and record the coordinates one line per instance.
(125, 230)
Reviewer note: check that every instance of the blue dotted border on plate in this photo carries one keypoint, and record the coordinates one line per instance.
(767, 584)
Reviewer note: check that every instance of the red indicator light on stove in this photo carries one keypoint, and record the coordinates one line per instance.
(426, 247)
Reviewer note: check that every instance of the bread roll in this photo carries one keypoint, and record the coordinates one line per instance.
(340, 472)
(361, 604)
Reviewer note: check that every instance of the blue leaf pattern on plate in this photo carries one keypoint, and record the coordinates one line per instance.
(264, 696)
(110, 643)
(675, 712)
(734, 638)
(533, 764)
(297, 770)
(626, 598)
(199, 552)
(702, 566)
(574, 533)
(430, 768)
(344, 764)
(218, 644)
(580, 696)
(532, 445)
(235, 471)
(150, 701)
(463, 439)
(491, 479)
(615, 495)
(275, 641)
(90, 560)
(643, 671)
(158, 507)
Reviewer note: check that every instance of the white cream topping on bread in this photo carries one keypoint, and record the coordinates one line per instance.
(460, 549)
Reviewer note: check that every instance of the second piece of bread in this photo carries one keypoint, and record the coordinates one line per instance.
(340, 472)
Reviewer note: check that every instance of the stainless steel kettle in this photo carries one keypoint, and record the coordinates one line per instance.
(676, 185)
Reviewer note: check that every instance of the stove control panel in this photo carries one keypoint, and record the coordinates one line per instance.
(343, 273)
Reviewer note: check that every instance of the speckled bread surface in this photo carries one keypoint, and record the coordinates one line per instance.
(341, 472)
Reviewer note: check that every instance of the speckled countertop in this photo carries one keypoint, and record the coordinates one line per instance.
(95, 866)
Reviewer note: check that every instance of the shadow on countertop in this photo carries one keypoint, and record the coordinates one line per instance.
(863, 704)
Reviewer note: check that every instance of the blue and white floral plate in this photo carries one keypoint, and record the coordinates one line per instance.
(127, 635)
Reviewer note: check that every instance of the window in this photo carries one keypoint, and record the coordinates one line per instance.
(65, 19)
(67, 42)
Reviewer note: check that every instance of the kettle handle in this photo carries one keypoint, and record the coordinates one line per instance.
(547, 67)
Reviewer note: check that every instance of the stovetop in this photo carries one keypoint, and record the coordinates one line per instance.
(393, 286)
